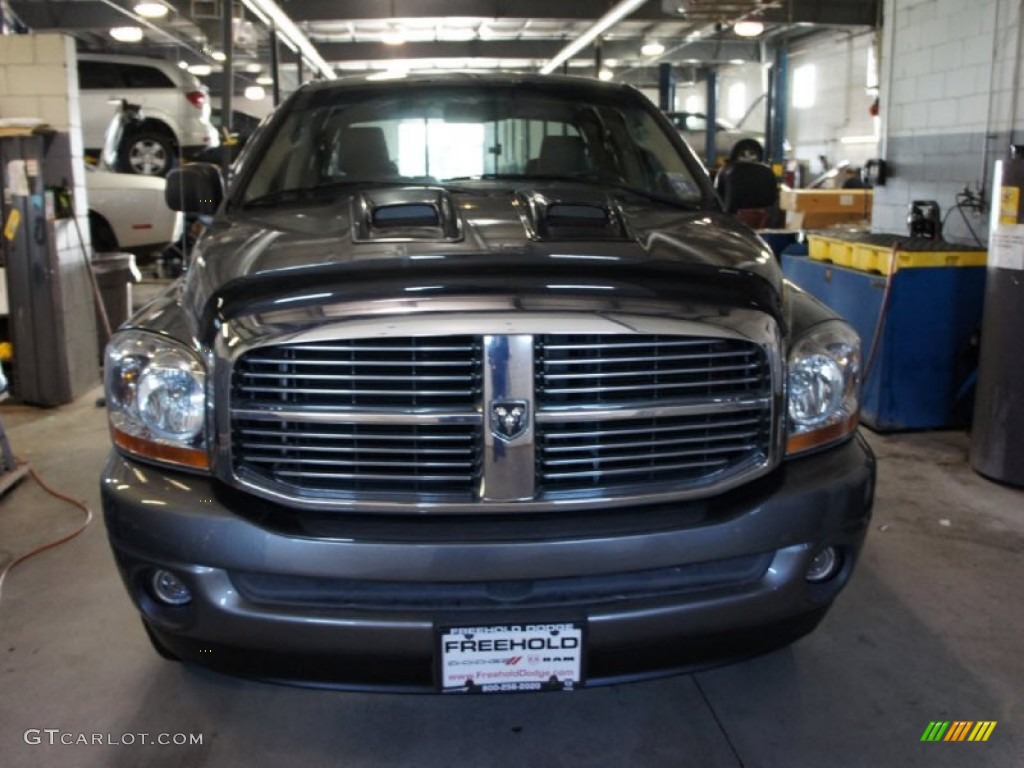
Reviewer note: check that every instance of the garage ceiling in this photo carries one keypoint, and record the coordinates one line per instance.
(365, 36)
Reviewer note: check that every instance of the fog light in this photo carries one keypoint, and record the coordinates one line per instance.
(169, 589)
(824, 565)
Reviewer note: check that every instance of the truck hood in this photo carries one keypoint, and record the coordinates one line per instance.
(483, 241)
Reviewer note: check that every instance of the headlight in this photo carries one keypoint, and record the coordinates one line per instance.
(156, 399)
(824, 385)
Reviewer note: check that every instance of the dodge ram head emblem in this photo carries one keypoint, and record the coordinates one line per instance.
(509, 418)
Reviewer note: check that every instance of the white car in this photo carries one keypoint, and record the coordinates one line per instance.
(174, 103)
(128, 212)
(747, 145)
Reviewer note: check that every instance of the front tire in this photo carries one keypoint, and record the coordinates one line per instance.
(101, 234)
(147, 153)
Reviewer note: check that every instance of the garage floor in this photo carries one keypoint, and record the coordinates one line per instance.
(929, 629)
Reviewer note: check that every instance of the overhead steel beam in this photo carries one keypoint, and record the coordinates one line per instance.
(362, 10)
(66, 15)
(839, 13)
(87, 14)
(833, 12)
(269, 12)
(623, 50)
(617, 13)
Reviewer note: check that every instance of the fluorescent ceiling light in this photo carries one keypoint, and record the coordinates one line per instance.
(748, 28)
(183, 65)
(200, 70)
(858, 139)
(151, 10)
(652, 48)
(126, 34)
(393, 37)
(737, 61)
(605, 74)
(253, 67)
(255, 93)
(265, 80)
(268, 10)
(219, 56)
(610, 19)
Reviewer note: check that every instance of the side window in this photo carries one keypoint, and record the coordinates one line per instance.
(137, 76)
(97, 75)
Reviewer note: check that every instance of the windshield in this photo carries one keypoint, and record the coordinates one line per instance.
(466, 135)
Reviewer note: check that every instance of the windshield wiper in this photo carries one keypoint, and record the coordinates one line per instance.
(592, 179)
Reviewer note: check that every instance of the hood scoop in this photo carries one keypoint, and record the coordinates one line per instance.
(576, 218)
(405, 214)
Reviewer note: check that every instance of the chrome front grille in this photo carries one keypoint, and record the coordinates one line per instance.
(401, 422)
(574, 456)
(411, 372)
(598, 370)
(364, 458)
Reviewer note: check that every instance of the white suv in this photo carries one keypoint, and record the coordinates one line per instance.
(174, 104)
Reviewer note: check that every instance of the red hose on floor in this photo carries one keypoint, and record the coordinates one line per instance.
(57, 542)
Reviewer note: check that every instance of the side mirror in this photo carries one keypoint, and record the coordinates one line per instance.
(197, 188)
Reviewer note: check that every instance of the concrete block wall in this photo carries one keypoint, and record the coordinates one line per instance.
(39, 79)
(948, 74)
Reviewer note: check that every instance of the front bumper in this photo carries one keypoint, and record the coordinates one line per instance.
(326, 630)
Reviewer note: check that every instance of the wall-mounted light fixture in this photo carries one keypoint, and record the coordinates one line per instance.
(151, 10)
(748, 28)
(126, 34)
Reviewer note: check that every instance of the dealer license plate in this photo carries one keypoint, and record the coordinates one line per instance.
(526, 657)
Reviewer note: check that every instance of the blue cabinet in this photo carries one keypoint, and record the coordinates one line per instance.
(926, 354)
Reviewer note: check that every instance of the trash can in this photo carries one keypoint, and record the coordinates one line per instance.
(115, 273)
(997, 439)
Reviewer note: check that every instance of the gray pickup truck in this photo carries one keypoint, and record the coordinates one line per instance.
(472, 386)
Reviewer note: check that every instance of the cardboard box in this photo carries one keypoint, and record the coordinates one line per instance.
(824, 219)
(857, 201)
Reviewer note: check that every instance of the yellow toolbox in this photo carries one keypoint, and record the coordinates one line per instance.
(885, 254)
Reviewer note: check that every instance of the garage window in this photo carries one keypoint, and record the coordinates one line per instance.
(440, 149)
(737, 100)
(805, 86)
